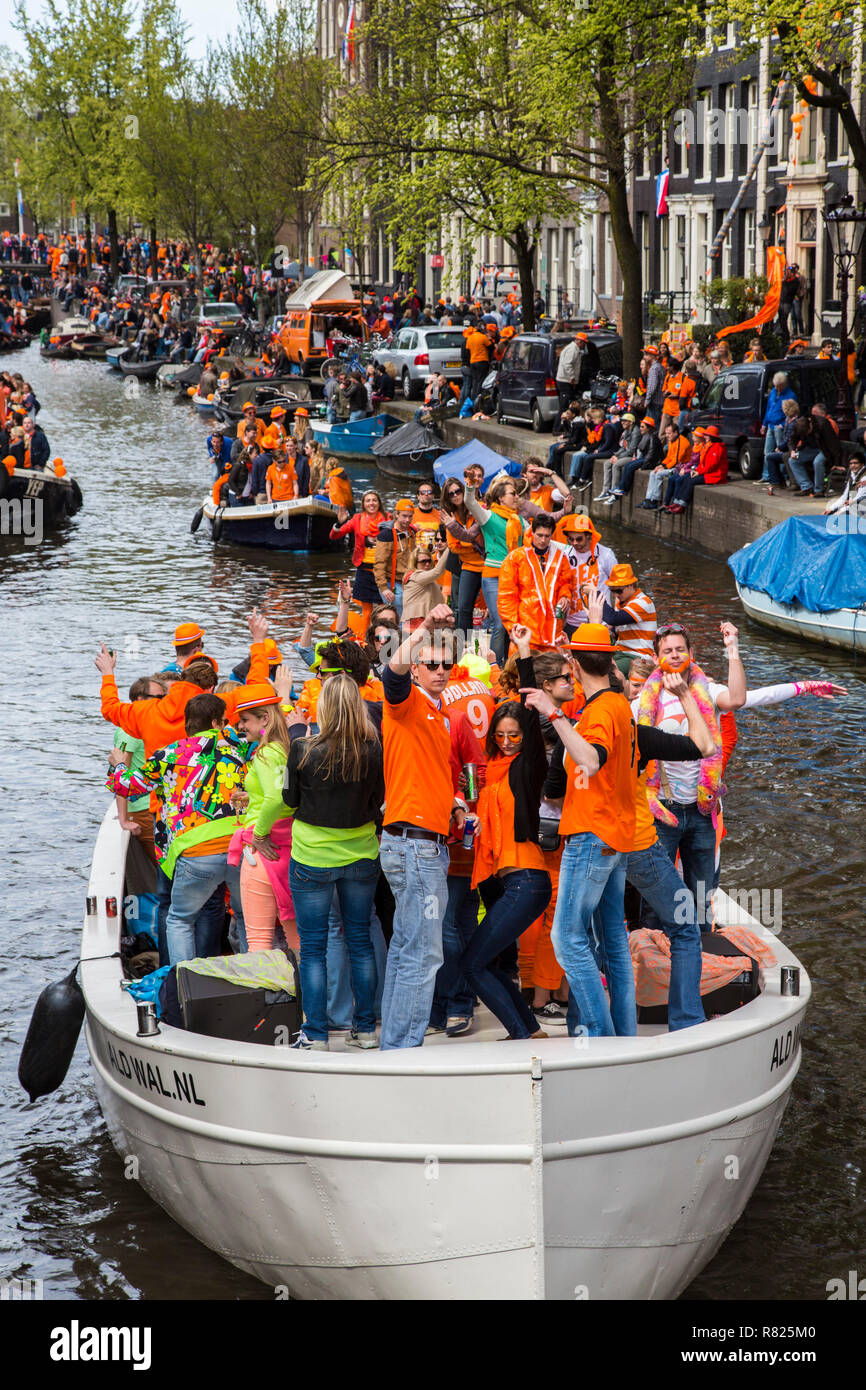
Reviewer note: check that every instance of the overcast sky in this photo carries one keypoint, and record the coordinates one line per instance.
(207, 19)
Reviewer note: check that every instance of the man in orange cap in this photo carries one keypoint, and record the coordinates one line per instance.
(188, 638)
(634, 617)
(249, 417)
(591, 562)
(598, 828)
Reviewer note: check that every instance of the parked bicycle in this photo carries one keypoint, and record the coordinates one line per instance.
(350, 355)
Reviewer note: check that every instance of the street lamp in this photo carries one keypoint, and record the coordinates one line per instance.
(765, 230)
(845, 227)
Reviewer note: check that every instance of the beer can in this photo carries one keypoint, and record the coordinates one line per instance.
(92, 907)
(790, 980)
(111, 907)
(470, 773)
(468, 834)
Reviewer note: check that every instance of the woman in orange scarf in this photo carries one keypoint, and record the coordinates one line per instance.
(507, 848)
(364, 527)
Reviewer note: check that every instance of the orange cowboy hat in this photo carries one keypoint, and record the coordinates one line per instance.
(272, 652)
(651, 351)
(201, 656)
(270, 440)
(584, 338)
(302, 410)
(648, 420)
(257, 695)
(186, 633)
(621, 576)
(712, 431)
(592, 637)
(277, 412)
(250, 405)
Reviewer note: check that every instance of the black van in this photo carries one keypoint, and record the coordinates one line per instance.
(527, 375)
(737, 399)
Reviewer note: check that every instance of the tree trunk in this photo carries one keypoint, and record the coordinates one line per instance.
(524, 249)
(153, 261)
(112, 241)
(628, 256)
(88, 238)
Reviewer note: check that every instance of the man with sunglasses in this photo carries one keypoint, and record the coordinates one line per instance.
(692, 809)
(419, 806)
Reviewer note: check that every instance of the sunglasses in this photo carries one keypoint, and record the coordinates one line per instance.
(671, 628)
(434, 665)
(502, 737)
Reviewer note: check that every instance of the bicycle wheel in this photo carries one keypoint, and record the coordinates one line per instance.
(327, 364)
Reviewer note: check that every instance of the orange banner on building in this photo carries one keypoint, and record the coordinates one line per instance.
(775, 272)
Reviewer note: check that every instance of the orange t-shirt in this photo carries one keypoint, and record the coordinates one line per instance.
(426, 526)
(259, 424)
(605, 804)
(417, 748)
(645, 833)
(472, 698)
(282, 481)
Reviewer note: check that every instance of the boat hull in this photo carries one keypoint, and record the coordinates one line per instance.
(558, 1169)
(408, 468)
(355, 438)
(45, 499)
(840, 627)
(302, 526)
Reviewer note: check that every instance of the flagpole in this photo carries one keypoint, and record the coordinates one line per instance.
(20, 199)
(763, 146)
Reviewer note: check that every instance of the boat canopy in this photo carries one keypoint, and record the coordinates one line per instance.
(413, 438)
(330, 285)
(818, 561)
(452, 464)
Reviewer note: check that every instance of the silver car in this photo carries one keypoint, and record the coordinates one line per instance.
(419, 353)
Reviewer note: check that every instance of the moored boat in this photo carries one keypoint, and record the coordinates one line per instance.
(409, 453)
(53, 498)
(143, 371)
(304, 523)
(807, 577)
(354, 436)
(265, 393)
(469, 1168)
(114, 356)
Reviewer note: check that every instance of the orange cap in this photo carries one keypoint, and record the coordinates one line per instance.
(578, 521)
(186, 633)
(621, 575)
(592, 637)
(269, 439)
(272, 652)
(257, 695)
(404, 505)
(648, 420)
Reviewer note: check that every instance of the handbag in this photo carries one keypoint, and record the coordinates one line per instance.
(548, 834)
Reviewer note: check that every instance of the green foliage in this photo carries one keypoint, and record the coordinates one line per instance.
(735, 299)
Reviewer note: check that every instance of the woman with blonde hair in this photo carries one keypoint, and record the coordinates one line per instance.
(263, 843)
(421, 591)
(334, 788)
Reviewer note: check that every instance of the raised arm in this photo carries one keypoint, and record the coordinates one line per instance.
(481, 514)
(734, 696)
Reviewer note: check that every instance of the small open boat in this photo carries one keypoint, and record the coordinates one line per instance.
(174, 376)
(203, 405)
(305, 523)
(469, 1168)
(114, 356)
(143, 370)
(409, 453)
(807, 577)
(265, 393)
(37, 496)
(354, 437)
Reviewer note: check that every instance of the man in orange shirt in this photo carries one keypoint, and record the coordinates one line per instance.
(479, 347)
(598, 829)
(419, 806)
(281, 481)
(425, 518)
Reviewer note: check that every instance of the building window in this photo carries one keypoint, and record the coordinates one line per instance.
(808, 223)
(808, 141)
(749, 241)
(603, 220)
(642, 155)
(728, 136)
(5, 210)
(643, 241)
(702, 121)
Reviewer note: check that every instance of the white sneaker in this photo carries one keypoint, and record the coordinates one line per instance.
(365, 1040)
(601, 496)
(310, 1044)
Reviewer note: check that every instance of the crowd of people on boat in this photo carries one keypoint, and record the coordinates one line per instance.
(23, 442)
(431, 822)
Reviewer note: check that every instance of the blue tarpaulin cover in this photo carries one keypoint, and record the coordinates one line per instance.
(810, 560)
(452, 464)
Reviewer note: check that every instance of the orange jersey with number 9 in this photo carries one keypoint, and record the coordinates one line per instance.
(474, 699)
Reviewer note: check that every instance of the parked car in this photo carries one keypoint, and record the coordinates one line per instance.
(736, 401)
(225, 316)
(527, 388)
(417, 353)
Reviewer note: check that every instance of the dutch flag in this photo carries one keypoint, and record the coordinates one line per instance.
(349, 36)
(662, 181)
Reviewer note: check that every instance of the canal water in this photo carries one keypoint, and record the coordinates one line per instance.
(127, 570)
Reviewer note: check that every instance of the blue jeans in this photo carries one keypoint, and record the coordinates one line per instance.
(453, 998)
(525, 895)
(592, 880)
(772, 439)
(800, 470)
(498, 635)
(312, 891)
(627, 475)
(358, 415)
(331, 415)
(163, 903)
(341, 1001)
(695, 838)
(190, 932)
(654, 876)
(417, 871)
(577, 461)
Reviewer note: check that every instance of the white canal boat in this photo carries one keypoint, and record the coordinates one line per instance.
(470, 1168)
(838, 627)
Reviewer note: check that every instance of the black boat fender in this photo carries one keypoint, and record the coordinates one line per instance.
(51, 1037)
(196, 521)
(74, 500)
(217, 523)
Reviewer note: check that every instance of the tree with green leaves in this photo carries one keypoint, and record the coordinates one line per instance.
(438, 127)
